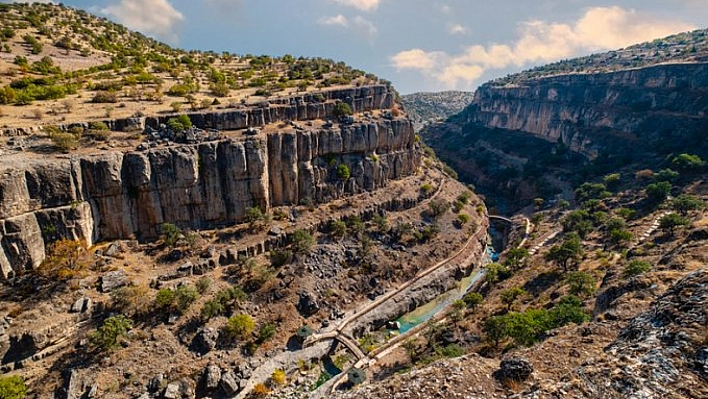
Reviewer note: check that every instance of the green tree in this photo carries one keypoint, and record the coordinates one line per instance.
(180, 123)
(495, 329)
(253, 216)
(685, 203)
(338, 228)
(170, 234)
(473, 299)
(112, 330)
(240, 326)
(612, 181)
(12, 387)
(635, 268)
(516, 257)
(688, 163)
(496, 272)
(342, 109)
(508, 297)
(581, 283)
(671, 222)
(657, 192)
(667, 175)
(570, 249)
(568, 310)
(619, 236)
(578, 221)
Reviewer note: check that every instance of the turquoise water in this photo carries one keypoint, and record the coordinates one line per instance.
(426, 312)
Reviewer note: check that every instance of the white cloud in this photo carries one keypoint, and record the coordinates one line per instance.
(600, 28)
(157, 17)
(457, 29)
(365, 26)
(339, 20)
(364, 5)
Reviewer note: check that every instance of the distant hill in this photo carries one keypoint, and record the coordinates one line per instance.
(424, 107)
(687, 47)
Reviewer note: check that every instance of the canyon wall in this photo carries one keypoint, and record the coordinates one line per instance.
(593, 111)
(115, 195)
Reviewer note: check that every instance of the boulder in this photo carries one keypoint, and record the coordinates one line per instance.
(229, 384)
(212, 376)
(307, 305)
(514, 368)
(82, 305)
(172, 391)
(113, 280)
(113, 250)
(205, 341)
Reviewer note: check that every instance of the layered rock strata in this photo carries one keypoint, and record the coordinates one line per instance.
(116, 195)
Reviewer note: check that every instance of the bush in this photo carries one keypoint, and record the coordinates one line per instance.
(302, 241)
(239, 326)
(179, 123)
(343, 172)
(508, 297)
(12, 387)
(581, 283)
(463, 218)
(473, 299)
(672, 221)
(688, 163)
(112, 330)
(342, 109)
(685, 203)
(211, 309)
(133, 300)
(668, 175)
(635, 268)
(64, 142)
(103, 97)
(281, 257)
(170, 234)
(338, 228)
(266, 332)
(426, 188)
(657, 192)
(278, 377)
(438, 207)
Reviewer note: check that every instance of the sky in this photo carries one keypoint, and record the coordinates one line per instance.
(419, 45)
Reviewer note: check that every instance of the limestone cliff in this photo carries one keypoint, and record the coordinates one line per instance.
(117, 195)
(593, 112)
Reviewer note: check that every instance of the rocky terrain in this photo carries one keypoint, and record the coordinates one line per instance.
(424, 108)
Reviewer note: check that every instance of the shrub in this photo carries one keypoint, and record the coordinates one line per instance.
(62, 261)
(239, 326)
(463, 219)
(672, 221)
(508, 297)
(588, 191)
(105, 97)
(426, 188)
(343, 172)
(473, 299)
(688, 163)
(612, 181)
(113, 329)
(619, 236)
(438, 207)
(342, 109)
(657, 192)
(170, 234)
(176, 106)
(64, 142)
(260, 390)
(685, 203)
(133, 300)
(278, 377)
(281, 257)
(165, 298)
(266, 332)
(666, 175)
(180, 123)
(12, 387)
(644, 174)
(496, 272)
(581, 283)
(635, 268)
(302, 241)
(211, 309)
(338, 228)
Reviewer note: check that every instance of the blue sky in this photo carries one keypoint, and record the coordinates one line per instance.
(420, 45)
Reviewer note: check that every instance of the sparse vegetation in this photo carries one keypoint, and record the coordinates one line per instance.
(112, 331)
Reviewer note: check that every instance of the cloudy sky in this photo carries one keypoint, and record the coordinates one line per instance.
(420, 45)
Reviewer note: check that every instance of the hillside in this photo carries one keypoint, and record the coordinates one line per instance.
(425, 108)
(63, 65)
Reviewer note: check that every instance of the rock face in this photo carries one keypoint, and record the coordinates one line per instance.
(514, 368)
(118, 195)
(589, 112)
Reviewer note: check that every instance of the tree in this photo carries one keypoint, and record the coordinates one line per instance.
(578, 221)
(495, 329)
(239, 326)
(12, 387)
(657, 192)
(671, 222)
(581, 283)
(170, 234)
(302, 241)
(568, 310)
(253, 216)
(538, 203)
(685, 203)
(113, 329)
(343, 172)
(473, 299)
(688, 163)
(180, 123)
(571, 249)
(508, 297)
(612, 181)
(62, 261)
(635, 268)
(496, 272)
(515, 257)
(667, 175)
(342, 109)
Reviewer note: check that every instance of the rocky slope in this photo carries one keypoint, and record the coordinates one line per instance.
(424, 108)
